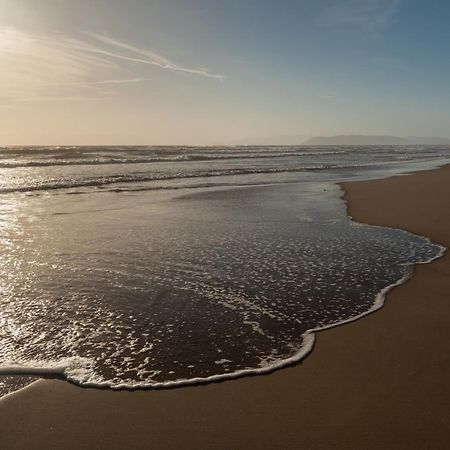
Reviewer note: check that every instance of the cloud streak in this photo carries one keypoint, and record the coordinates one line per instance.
(121, 81)
(144, 56)
(48, 67)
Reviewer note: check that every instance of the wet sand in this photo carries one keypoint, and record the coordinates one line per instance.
(378, 383)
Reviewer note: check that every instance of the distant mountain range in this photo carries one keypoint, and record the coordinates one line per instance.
(273, 140)
(354, 139)
(350, 139)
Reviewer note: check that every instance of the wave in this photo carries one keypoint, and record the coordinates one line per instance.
(156, 159)
(141, 178)
(80, 370)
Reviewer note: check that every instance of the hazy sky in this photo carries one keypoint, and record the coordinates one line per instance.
(215, 71)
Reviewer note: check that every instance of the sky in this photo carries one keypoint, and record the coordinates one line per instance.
(203, 72)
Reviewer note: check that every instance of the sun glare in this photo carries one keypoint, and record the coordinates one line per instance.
(9, 37)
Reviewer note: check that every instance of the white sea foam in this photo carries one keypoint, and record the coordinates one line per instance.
(79, 370)
(94, 327)
(77, 367)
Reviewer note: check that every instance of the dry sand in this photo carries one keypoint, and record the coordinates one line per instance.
(379, 383)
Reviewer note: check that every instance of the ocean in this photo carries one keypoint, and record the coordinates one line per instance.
(152, 267)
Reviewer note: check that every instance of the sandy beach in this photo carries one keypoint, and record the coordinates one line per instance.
(378, 383)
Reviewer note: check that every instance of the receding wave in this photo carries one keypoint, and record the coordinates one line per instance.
(81, 370)
(167, 290)
(140, 178)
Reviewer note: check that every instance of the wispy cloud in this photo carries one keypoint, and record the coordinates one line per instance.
(120, 81)
(54, 67)
(144, 56)
(364, 14)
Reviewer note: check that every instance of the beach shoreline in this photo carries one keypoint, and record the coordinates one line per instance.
(340, 396)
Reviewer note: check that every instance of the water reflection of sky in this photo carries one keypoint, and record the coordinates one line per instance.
(110, 274)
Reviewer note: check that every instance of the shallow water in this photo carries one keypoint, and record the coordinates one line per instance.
(146, 287)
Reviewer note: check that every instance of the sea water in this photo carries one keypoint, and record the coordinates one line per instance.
(145, 267)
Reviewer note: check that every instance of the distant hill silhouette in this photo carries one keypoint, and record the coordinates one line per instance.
(355, 139)
(272, 140)
(343, 139)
